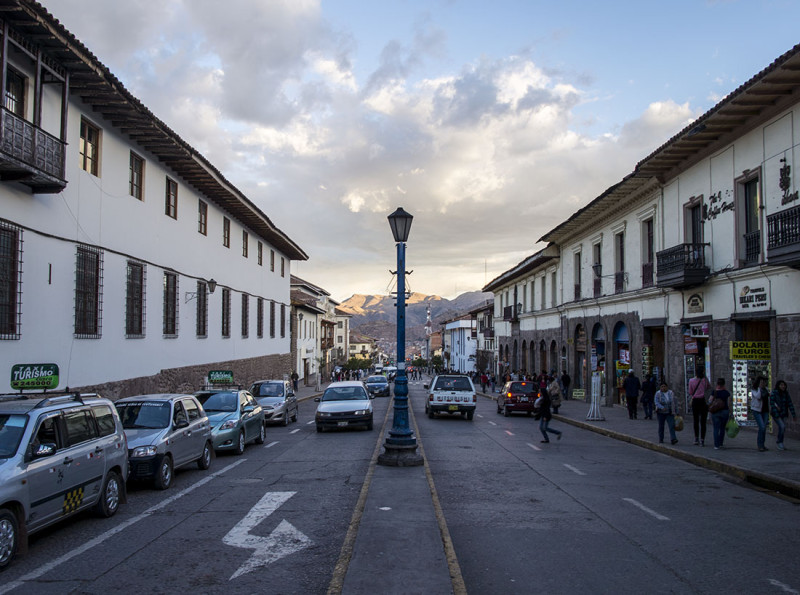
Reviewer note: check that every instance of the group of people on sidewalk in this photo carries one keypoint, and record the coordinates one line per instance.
(716, 401)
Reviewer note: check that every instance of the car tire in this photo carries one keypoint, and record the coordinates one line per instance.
(296, 411)
(9, 537)
(319, 429)
(470, 414)
(431, 413)
(262, 434)
(108, 502)
(240, 443)
(369, 426)
(204, 462)
(165, 473)
(285, 421)
(499, 410)
(506, 412)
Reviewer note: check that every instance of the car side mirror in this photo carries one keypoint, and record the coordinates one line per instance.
(181, 423)
(426, 386)
(248, 409)
(46, 449)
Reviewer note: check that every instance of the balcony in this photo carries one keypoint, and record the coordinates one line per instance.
(683, 265)
(30, 155)
(752, 247)
(647, 274)
(783, 238)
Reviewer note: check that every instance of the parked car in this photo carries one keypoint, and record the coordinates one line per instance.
(278, 400)
(451, 393)
(343, 405)
(236, 418)
(164, 431)
(378, 386)
(517, 395)
(59, 455)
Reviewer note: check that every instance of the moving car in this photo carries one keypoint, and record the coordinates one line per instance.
(378, 386)
(343, 405)
(165, 431)
(517, 395)
(451, 393)
(236, 418)
(278, 400)
(59, 455)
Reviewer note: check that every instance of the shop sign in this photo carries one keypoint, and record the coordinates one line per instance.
(753, 298)
(34, 376)
(717, 204)
(751, 350)
(579, 394)
(694, 304)
(625, 357)
(690, 346)
(786, 185)
(220, 377)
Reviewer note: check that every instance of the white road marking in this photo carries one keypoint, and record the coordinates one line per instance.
(271, 444)
(574, 470)
(308, 423)
(491, 422)
(45, 568)
(479, 415)
(284, 540)
(295, 431)
(533, 446)
(509, 433)
(785, 588)
(641, 506)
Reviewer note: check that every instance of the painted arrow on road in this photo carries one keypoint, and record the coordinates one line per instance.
(284, 540)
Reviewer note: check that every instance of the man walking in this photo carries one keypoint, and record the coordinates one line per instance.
(632, 387)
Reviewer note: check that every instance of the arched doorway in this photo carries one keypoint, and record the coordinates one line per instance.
(542, 356)
(598, 355)
(553, 358)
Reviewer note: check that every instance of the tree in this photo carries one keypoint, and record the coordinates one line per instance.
(420, 363)
(437, 362)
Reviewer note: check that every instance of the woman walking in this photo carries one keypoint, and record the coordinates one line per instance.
(666, 407)
(542, 407)
(759, 406)
(780, 408)
(720, 417)
(698, 387)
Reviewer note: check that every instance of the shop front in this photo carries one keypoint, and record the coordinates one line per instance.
(622, 358)
(696, 355)
(597, 356)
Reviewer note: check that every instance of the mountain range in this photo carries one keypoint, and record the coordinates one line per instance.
(376, 315)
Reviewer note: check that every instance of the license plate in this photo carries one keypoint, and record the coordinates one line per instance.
(341, 424)
(453, 408)
(523, 399)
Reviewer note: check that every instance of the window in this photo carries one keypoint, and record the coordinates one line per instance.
(202, 217)
(576, 273)
(88, 288)
(201, 327)
(272, 320)
(272, 261)
(170, 304)
(89, 148)
(171, 199)
(226, 232)
(260, 318)
(134, 300)
(553, 290)
(136, 182)
(79, 426)
(283, 321)
(226, 313)
(260, 254)
(10, 281)
(245, 315)
(619, 262)
(105, 419)
(543, 293)
(191, 409)
(597, 267)
(283, 266)
(648, 252)
(15, 92)
(245, 244)
(748, 221)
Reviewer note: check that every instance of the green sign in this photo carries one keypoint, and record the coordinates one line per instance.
(220, 377)
(34, 376)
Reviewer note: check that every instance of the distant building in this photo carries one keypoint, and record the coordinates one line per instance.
(362, 346)
(460, 336)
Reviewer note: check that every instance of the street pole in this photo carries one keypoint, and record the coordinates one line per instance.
(400, 447)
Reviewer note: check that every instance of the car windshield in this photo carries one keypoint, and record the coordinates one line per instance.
(377, 380)
(267, 389)
(344, 393)
(452, 384)
(523, 387)
(144, 414)
(219, 401)
(11, 429)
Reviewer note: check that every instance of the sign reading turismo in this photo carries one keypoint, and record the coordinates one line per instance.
(220, 377)
(34, 376)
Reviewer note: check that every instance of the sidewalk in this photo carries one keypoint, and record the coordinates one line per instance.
(774, 470)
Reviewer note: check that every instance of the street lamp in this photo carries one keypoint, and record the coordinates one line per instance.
(400, 447)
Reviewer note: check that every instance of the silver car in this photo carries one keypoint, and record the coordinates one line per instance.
(59, 455)
(165, 431)
(278, 400)
(344, 405)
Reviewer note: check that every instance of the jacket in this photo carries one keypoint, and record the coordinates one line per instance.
(757, 400)
(781, 404)
(665, 402)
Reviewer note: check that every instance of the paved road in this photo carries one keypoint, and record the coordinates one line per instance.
(584, 514)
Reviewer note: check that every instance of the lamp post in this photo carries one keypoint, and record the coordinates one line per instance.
(400, 447)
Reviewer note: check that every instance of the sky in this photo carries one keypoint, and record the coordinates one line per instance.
(489, 122)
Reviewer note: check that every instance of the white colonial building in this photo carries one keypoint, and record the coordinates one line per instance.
(126, 258)
(690, 262)
(461, 344)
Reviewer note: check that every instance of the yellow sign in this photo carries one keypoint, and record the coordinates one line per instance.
(752, 350)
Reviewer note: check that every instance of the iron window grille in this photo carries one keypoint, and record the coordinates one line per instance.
(226, 313)
(170, 305)
(88, 293)
(202, 310)
(245, 316)
(135, 300)
(10, 281)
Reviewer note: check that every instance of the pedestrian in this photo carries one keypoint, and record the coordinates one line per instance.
(759, 406)
(484, 382)
(666, 408)
(649, 389)
(565, 382)
(554, 392)
(492, 381)
(698, 387)
(295, 378)
(720, 417)
(544, 415)
(780, 407)
(632, 387)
